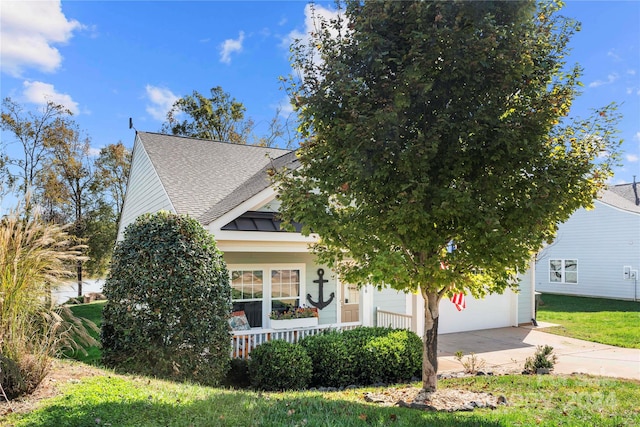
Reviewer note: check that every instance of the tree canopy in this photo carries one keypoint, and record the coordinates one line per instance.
(218, 118)
(57, 174)
(36, 132)
(432, 126)
(222, 118)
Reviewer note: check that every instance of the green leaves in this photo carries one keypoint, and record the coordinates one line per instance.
(219, 118)
(169, 298)
(437, 122)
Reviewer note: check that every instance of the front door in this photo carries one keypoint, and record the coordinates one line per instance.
(350, 303)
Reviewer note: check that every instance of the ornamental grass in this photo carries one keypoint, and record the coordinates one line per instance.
(34, 258)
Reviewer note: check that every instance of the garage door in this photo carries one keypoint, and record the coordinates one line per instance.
(494, 311)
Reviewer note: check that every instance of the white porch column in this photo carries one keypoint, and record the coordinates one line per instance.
(417, 312)
(532, 269)
(514, 307)
(367, 309)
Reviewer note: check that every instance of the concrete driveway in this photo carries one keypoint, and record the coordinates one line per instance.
(508, 348)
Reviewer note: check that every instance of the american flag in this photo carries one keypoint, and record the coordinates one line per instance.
(458, 301)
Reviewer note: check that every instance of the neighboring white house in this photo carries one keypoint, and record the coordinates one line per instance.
(226, 187)
(596, 252)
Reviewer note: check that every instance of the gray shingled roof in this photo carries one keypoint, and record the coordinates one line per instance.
(628, 191)
(250, 187)
(615, 199)
(206, 179)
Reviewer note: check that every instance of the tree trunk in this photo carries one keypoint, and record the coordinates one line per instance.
(430, 341)
(79, 271)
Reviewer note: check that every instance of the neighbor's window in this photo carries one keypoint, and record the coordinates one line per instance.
(285, 289)
(563, 271)
(247, 294)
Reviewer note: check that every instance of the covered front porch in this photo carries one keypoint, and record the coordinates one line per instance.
(244, 341)
(389, 308)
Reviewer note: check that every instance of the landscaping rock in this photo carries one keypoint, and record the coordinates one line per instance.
(441, 400)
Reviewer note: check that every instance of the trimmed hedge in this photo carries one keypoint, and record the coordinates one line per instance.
(168, 302)
(278, 365)
(395, 357)
(332, 361)
(364, 356)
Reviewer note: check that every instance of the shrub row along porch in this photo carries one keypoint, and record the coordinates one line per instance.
(244, 341)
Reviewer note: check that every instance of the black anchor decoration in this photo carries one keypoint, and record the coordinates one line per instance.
(321, 303)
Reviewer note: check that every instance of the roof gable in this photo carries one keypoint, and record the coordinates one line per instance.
(628, 191)
(205, 179)
(618, 201)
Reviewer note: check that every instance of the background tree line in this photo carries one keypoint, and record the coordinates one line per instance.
(52, 169)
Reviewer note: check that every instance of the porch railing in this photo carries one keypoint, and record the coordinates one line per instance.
(243, 342)
(392, 320)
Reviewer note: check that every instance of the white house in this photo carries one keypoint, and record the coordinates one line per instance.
(596, 252)
(226, 187)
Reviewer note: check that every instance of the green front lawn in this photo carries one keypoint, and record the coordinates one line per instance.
(606, 321)
(550, 400)
(92, 312)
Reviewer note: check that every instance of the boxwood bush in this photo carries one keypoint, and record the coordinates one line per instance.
(364, 356)
(331, 359)
(168, 302)
(394, 357)
(279, 365)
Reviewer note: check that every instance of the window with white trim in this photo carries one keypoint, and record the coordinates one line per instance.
(563, 271)
(260, 289)
(247, 291)
(285, 289)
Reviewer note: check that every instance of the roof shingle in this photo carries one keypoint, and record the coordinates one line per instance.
(199, 174)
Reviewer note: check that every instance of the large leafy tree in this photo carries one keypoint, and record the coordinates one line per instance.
(218, 118)
(35, 133)
(432, 125)
(112, 171)
(222, 118)
(112, 166)
(69, 184)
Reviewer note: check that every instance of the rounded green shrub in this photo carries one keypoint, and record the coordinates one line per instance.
(394, 357)
(331, 359)
(168, 302)
(384, 354)
(279, 365)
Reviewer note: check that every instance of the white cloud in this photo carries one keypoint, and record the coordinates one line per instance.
(230, 46)
(162, 100)
(40, 93)
(637, 136)
(94, 152)
(614, 55)
(29, 30)
(611, 78)
(632, 158)
(284, 106)
(312, 14)
(631, 72)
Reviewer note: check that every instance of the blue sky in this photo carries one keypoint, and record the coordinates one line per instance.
(111, 60)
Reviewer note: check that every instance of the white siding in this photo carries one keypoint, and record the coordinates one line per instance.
(390, 300)
(603, 240)
(145, 193)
